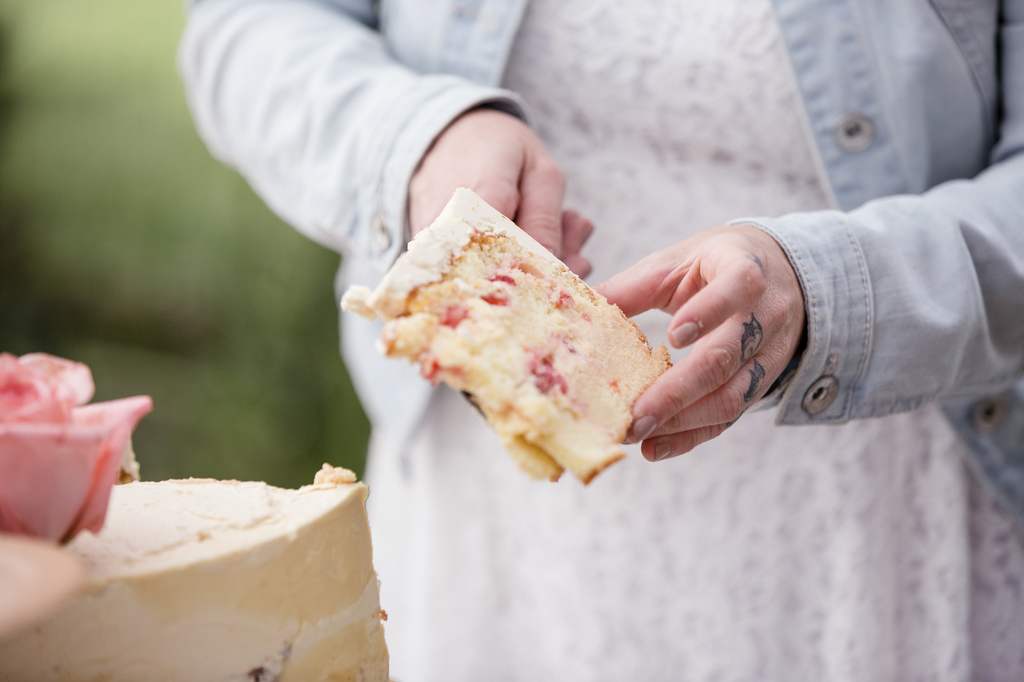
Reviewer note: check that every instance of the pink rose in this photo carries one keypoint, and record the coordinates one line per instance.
(59, 457)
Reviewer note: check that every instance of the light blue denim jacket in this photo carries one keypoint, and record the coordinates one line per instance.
(914, 286)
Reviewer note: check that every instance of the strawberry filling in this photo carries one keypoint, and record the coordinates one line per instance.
(496, 299)
(429, 368)
(545, 378)
(454, 314)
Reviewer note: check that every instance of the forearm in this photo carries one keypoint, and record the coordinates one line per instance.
(306, 102)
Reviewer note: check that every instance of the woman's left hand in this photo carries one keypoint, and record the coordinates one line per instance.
(733, 293)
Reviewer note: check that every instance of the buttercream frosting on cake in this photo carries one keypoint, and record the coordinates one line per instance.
(485, 308)
(218, 580)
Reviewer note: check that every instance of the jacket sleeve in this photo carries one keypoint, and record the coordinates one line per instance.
(911, 299)
(304, 100)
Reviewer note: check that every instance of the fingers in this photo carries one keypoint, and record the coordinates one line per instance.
(713, 361)
(709, 416)
(737, 286)
(655, 450)
(484, 150)
(578, 264)
(724, 405)
(542, 189)
(736, 297)
(654, 283)
(576, 230)
(500, 191)
(498, 157)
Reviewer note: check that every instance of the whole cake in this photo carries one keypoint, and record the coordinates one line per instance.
(483, 307)
(197, 580)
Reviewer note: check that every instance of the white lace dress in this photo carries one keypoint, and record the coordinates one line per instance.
(857, 552)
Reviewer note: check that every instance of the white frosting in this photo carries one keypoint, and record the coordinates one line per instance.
(218, 580)
(431, 252)
(158, 526)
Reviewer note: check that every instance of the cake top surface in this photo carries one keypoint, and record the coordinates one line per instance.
(431, 253)
(154, 526)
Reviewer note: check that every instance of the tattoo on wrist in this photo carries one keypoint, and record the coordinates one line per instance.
(751, 338)
(756, 375)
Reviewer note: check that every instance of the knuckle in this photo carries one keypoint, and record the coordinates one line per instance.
(673, 423)
(753, 280)
(672, 393)
(727, 404)
(504, 196)
(716, 366)
(549, 171)
(735, 404)
(690, 440)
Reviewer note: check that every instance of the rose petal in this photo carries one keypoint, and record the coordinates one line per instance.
(74, 377)
(55, 479)
(28, 397)
(122, 415)
(45, 476)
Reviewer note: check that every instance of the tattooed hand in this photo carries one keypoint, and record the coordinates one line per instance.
(735, 296)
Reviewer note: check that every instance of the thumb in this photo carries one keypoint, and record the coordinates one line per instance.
(542, 188)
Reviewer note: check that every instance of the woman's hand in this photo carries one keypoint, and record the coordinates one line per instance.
(497, 156)
(732, 293)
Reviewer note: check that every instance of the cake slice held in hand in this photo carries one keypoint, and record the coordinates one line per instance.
(483, 307)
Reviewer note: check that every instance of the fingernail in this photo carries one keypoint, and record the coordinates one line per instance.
(684, 334)
(643, 427)
(662, 450)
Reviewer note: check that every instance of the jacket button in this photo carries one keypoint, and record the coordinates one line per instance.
(820, 395)
(988, 414)
(854, 132)
(379, 234)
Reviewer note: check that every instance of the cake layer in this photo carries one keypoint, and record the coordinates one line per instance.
(483, 307)
(218, 580)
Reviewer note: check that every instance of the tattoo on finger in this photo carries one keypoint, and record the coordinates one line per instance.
(757, 260)
(751, 338)
(756, 376)
(728, 424)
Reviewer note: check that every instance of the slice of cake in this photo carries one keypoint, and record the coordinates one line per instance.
(198, 580)
(483, 307)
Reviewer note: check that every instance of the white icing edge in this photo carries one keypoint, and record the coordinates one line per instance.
(211, 520)
(431, 253)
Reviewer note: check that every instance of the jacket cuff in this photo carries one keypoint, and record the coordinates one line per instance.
(394, 149)
(838, 303)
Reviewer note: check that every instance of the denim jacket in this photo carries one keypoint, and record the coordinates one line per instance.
(914, 285)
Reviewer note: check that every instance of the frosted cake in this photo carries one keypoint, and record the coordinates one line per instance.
(197, 580)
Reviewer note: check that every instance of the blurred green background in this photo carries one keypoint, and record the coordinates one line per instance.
(124, 245)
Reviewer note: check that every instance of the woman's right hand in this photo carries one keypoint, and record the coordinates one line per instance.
(497, 156)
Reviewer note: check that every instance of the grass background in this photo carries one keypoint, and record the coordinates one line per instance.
(125, 246)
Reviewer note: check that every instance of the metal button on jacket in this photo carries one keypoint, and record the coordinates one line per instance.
(820, 395)
(988, 414)
(854, 132)
(379, 234)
